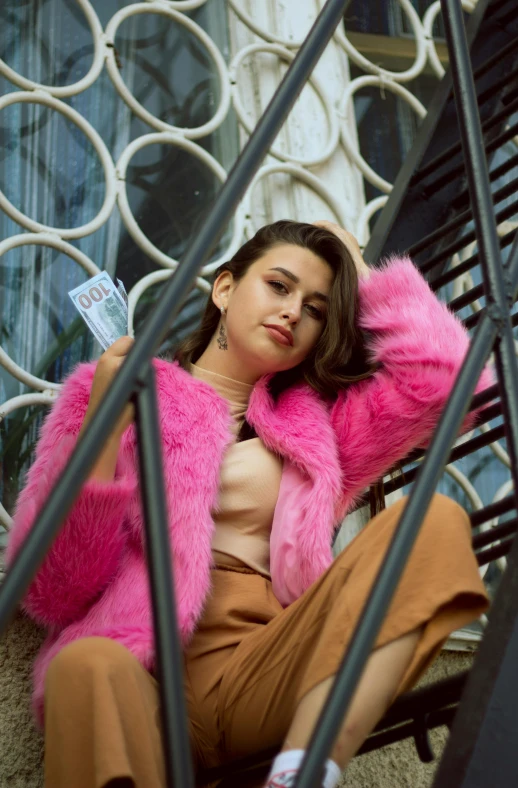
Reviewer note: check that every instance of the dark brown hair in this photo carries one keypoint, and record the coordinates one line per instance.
(339, 357)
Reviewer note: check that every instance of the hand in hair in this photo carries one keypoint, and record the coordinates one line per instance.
(350, 242)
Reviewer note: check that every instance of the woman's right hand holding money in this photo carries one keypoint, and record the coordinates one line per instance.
(107, 367)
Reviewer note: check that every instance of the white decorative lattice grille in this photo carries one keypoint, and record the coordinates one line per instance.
(317, 167)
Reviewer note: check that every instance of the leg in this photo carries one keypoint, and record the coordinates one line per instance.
(275, 669)
(374, 694)
(101, 719)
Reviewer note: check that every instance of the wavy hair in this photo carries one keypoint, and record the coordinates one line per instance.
(339, 357)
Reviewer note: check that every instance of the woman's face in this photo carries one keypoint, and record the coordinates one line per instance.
(276, 313)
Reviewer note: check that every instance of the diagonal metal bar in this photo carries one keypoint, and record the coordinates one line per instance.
(169, 662)
(65, 491)
(505, 213)
(502, 627)
(453, 172)
(505, 241)
(491, 326)
(510, 188)
(377, 604)
(498, 297)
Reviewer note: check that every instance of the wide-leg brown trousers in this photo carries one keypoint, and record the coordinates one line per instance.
(250, 661)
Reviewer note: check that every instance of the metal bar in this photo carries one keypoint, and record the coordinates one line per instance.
(508, 78)
(443, 158)
(508, 17)
(492, 510)
(484, 415)
(494, 175)
(374, 611)
(507, 371)
(483, 397)
(477, 697)
(505, 241)
(471, 321)
(485, 223)
(456, 454)
(432, 188)
(388, 234)
(509, 189)
(460, 243)
(406, 730)
(496, 5)
(169, 661)
(428, 698)
(511, 94)
(492, 553)
(502, 52)
(468, 447)
(466, 298)
(489, 413)
(493, 534)
(178, 286)
(464, 735)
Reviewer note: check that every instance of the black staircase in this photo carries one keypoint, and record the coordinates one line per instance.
(442, 198)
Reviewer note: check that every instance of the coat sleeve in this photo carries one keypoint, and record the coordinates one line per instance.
(420, 346)
(86, 552)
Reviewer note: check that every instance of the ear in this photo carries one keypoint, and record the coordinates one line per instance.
(222, 288)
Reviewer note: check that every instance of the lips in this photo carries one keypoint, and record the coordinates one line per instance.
(280, 334)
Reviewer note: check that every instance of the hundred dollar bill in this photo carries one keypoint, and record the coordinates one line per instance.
(122, 291)
(102, 307)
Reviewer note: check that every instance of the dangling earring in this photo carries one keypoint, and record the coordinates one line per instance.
(222, 335)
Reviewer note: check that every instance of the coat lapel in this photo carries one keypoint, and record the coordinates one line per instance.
(298, 428)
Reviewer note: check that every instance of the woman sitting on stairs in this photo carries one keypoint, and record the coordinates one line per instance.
(309, 377)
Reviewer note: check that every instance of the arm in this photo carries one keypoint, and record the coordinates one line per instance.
(420, 345)
(86, 552)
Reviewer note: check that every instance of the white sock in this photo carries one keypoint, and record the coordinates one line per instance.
(287, 764)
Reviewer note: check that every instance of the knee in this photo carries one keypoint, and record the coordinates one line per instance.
(85, 656)
(445, 518)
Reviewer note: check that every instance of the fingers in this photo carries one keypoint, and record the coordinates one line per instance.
(344, 235)
(121, 346)
(349, 242)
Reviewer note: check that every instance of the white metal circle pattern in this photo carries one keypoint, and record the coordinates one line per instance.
(383, 74)
(77, 87)
(285, 54)
(350, 145)
(39, 96)
(275, 40)
(129, 220)
(173, 16)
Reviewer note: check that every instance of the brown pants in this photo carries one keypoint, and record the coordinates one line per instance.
(251, 661)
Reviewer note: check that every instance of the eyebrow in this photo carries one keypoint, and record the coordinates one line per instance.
(296, 279)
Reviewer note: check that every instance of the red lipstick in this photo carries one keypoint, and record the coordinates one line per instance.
(280, 334)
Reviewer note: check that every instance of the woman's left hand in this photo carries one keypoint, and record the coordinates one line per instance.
(349, 242)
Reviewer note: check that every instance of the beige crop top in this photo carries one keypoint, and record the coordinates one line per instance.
(249, 487)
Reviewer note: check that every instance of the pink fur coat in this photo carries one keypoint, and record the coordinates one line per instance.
(94, 582)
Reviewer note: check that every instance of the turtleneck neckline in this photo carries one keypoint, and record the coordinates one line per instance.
(235, 392)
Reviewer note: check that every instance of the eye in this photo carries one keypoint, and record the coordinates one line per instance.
(278, 286)
(315, 312)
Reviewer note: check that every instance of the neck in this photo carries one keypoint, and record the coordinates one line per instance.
(223, 362)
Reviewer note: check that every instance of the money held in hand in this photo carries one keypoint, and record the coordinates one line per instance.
(102, 307)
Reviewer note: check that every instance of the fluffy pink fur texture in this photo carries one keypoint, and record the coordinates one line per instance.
(94, 579)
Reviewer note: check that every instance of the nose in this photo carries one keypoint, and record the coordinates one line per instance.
(291, 312)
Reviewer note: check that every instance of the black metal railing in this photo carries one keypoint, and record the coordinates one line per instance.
(136, 382)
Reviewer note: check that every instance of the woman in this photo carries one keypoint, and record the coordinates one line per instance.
(270, 435)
